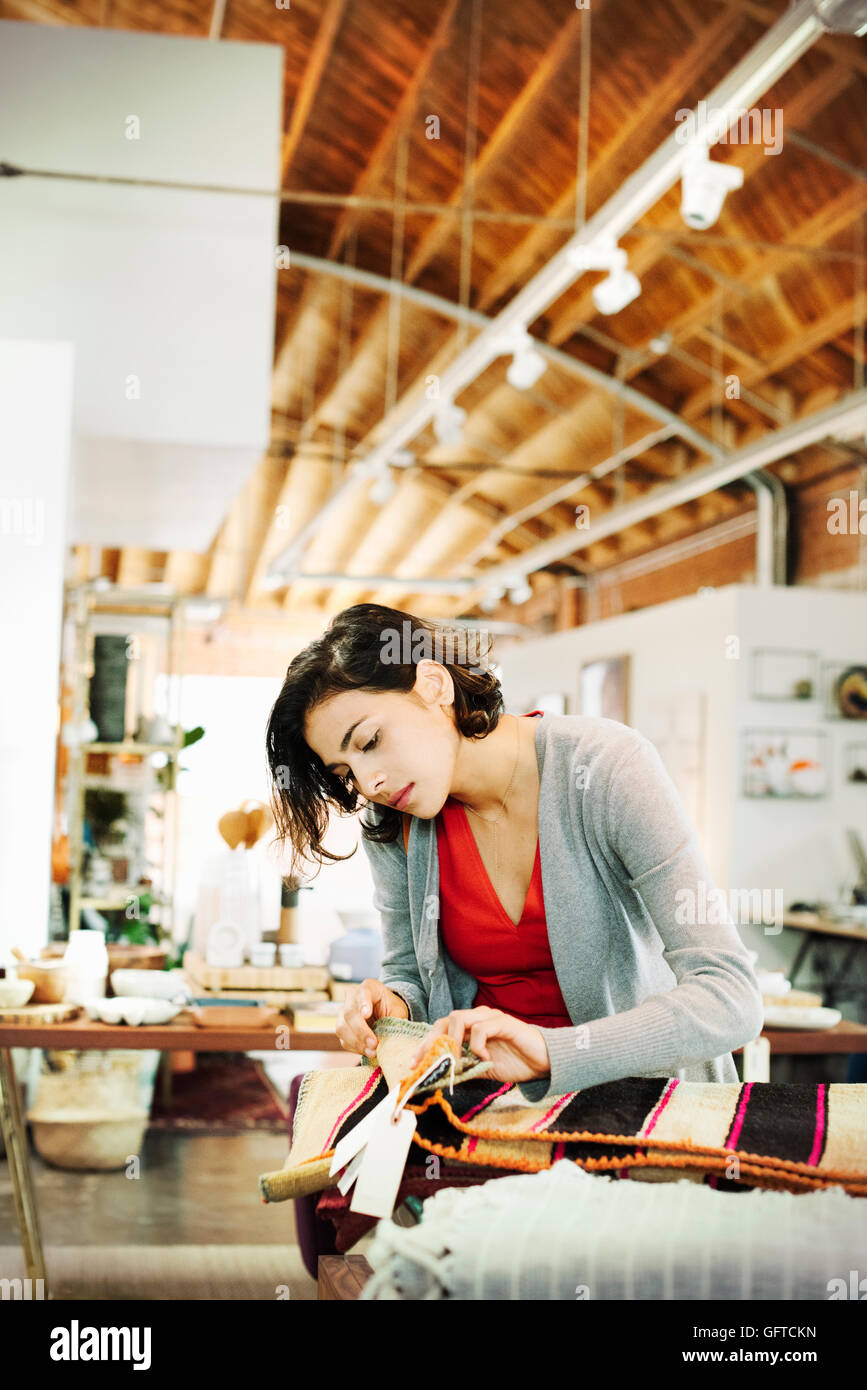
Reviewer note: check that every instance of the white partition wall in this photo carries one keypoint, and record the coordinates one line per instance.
(693, 681)
(681, 692)
(36, 386)
(164, 277)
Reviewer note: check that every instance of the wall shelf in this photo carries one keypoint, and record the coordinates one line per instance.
(154, 643)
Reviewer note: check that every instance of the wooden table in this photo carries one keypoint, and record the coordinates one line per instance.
(816, 929)
(844, 1037)
(83, 1034)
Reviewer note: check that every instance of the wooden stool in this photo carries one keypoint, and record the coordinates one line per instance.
(342, 1276)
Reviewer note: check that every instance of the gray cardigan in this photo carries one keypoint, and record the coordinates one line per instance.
(651, 995)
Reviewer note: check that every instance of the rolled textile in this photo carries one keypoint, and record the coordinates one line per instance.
(565, 1234)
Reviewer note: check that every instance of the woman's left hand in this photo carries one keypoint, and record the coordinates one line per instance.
(517, 1049)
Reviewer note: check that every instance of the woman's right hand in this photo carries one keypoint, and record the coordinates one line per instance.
(364, 1003)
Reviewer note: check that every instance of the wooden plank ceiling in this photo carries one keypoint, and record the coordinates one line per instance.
(773, 293)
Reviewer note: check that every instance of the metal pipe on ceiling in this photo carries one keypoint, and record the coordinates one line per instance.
(411, 583)
(448, 308)
(843, 419)
(771, 527)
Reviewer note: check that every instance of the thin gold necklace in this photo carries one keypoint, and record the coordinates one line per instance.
(495, 822)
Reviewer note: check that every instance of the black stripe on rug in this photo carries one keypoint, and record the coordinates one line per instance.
(379, 1092)
(780, 1120)
(615, 1107)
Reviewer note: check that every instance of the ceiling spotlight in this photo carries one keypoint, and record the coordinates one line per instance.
(491, 599)
(526, 367)
(449, 423)
(661, 344)
(616, 291)
(520, 592)
(842, 16)
(620, 286)
(704, 184)
(527, 363)
(384, 486)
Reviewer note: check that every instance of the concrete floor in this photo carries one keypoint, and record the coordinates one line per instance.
(192, 1225)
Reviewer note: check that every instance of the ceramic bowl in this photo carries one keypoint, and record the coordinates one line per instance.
(14, 993)
(263, 955)
(50, 978)
(292, 956)
(786, 1016)
(151, 984)
(132, 1009)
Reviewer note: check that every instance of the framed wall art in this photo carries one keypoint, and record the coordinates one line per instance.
(784, 764)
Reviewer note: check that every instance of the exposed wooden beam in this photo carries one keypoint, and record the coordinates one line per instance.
(718, 36)
(383, 152)
(376, 168)
(817, 230)
(805, 339)
(306, 95)
(520, 111)
(713, 40)
(238, 541)
(138, 566)
(187, 571)
(662, 94)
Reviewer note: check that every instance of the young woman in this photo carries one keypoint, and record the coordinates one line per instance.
(542, 909)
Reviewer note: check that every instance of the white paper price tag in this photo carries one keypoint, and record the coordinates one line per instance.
(355, 1140)
(382, 1165)
(351, 1174)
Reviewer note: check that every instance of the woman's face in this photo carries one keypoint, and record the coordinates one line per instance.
(384, 742)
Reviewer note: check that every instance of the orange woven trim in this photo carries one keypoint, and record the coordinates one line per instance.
(592, 1165)
(440, 1047)
(317, 1158)
(678, 1145)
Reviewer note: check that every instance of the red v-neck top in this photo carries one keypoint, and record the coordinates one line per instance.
(512, 963)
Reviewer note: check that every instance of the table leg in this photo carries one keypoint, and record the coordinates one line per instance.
(165, 1077)
(804, 947)
(838, 984)
(15, 1138)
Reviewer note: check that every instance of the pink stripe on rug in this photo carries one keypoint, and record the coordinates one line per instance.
(559, 1150)
(820, 1125)
(739, 1118)
(377, 1073)
(555, 1110)
(669, 1092)
(471, 1144)
(487, 1101)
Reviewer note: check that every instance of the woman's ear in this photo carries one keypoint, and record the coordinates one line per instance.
(434, 683)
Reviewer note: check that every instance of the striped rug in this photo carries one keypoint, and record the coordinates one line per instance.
(791, 1136)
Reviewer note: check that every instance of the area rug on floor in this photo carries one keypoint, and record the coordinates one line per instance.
(791, 1136)
(228, 1093)
(207, 1273)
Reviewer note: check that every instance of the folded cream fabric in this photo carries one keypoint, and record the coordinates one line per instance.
(568, 1234)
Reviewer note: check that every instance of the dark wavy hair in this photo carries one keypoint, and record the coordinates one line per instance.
(350, 656)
